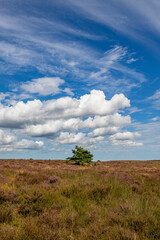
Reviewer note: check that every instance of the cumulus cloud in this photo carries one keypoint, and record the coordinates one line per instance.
(96, 104)
(6, 138)
(50, 128)
(20, 114)
(8, 142)
(106, 121)
(43, 86)
(79, 138)
(6, 149)
(69, 138)
(29, 144)
(125, 138)
(67, 120)
(103, 125)
(34, 112)
(104, 131)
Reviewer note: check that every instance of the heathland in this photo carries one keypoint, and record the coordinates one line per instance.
(52, 200)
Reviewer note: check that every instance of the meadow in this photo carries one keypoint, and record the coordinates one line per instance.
(52, 200)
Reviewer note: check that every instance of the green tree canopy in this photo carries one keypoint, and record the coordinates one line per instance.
(80, 156)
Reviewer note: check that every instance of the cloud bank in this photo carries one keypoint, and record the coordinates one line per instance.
(67, 120)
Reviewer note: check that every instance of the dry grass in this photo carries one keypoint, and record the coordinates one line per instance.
(49, 200)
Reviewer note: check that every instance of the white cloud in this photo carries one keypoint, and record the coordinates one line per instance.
(106, 121)
(35, 112)
(23, 145)
(29, 144)
(6, 149)
(95, 104)
(125, 139)
(20, 114)
(128, 143)
(125, 136)
(67, 120)
(103, 131)
(68, 91)
(111, 124)
(43, 86)
(70, 138)
(79, 138)
(51, 127)
(131, 60)
(6, 138)
(8, 143)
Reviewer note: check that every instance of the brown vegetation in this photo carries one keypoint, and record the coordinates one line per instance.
(52, 200)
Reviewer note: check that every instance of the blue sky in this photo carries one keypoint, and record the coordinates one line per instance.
(80, 73)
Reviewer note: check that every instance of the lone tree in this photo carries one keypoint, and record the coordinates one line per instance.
(80, 156)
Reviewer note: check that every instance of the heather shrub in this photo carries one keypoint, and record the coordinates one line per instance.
(30, 178)
(53, 179)
(35, 201)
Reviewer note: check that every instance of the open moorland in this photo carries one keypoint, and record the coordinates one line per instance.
(52, 200)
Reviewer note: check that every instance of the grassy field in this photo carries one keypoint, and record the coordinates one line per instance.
(49, 200)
